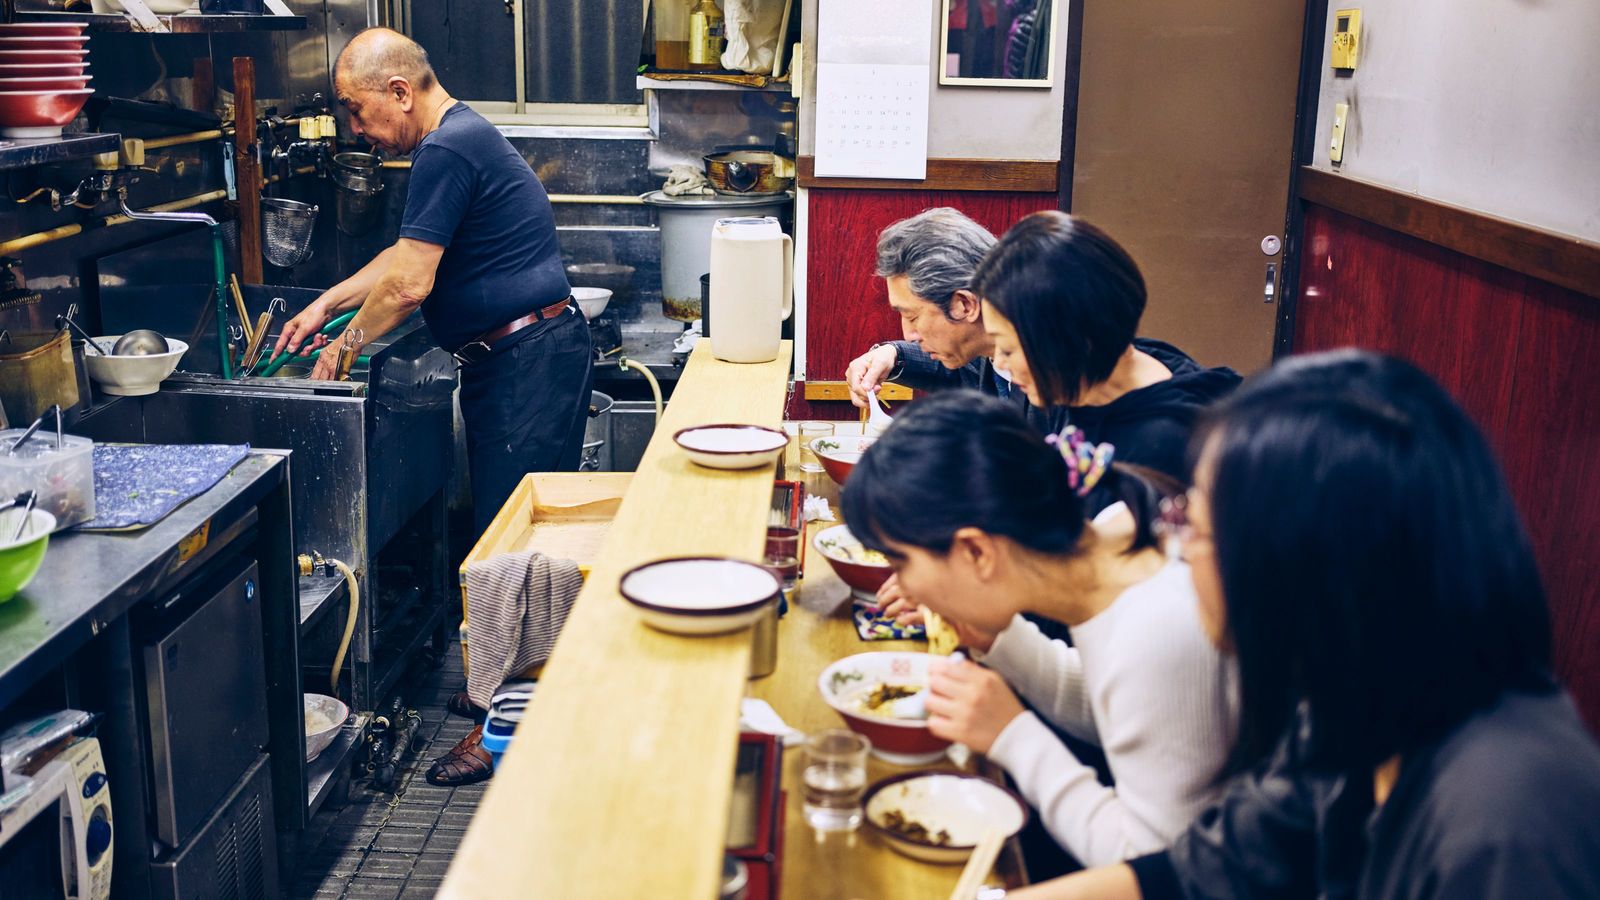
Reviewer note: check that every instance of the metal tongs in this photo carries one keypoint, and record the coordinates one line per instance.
(17, 444)
(67, 322)
(27, 500)
(258, 336)
(348, 351)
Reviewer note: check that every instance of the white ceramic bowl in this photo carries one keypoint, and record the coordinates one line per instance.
(591, 300)
(960, 805)
(904, 742)
(732, 446)
(328, 713)
(132, 376)
(700, 595)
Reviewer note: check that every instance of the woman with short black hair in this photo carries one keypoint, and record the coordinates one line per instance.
(1062, 301)
(1354, 545)
(983, 519)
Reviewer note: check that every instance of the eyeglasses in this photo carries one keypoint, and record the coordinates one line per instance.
(1177, 533)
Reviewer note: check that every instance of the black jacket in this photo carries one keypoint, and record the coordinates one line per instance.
(1149, 427)
(1502, 807)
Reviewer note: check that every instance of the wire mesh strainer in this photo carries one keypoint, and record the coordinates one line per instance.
(286, 231)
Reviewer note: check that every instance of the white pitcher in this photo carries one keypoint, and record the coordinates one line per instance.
(752, 288)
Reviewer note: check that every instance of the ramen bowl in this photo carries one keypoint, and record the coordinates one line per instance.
(847, 686)
(863, 570)
(840, 453)
(939, 817)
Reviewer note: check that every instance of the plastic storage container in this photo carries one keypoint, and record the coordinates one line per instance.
(63, 479)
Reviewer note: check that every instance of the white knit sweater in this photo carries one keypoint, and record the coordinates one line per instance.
(1145, 683)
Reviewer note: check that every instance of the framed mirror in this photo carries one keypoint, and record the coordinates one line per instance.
(999, 43)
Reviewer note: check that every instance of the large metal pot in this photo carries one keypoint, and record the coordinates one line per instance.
(686, 242)
(597, 435)
(748, 172)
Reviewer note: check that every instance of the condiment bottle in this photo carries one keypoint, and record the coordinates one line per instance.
(705, 35)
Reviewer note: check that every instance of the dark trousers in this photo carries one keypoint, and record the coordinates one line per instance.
(525, 408)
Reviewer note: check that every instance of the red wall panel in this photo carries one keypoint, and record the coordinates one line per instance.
(1519, 354)
(1366, 286)
(847, 307)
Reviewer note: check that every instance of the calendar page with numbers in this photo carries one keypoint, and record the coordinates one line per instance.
(872, 121)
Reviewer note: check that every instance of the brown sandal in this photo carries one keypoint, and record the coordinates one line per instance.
(466, 763)
(460, 704)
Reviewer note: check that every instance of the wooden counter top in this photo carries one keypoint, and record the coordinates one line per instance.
(817, 631)
(619, 780)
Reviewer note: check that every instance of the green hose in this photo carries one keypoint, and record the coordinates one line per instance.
(266, 369)
(220, 269)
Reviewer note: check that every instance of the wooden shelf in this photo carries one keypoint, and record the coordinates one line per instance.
(644, 82)
(19, 153)
(185, 23)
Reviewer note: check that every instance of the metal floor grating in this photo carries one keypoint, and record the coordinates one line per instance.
(389, 846)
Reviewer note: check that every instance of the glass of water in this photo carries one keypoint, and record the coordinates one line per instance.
(810, 431)
(835, 778)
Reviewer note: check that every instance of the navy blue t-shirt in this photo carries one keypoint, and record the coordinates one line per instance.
(474, 195)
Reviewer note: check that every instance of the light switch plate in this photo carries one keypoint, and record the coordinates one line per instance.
(1336, 143)
(1346, 39)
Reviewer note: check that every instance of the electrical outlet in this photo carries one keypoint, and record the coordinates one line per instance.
(1346, 39)
(1336, 143)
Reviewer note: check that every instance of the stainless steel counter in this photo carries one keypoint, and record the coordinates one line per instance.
(89, 580)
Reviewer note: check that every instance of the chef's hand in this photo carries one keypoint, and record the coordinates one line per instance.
(868, 371)
(894, 603)
(969, 704)
(305, 327)
(327, 367)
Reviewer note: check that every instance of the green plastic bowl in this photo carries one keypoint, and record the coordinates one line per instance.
(20, 559)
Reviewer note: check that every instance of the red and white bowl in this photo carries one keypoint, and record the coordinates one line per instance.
(732, 446)
(46, 42)
(700, 595)
(956, 803)
(855, 565)
(840, 453)
(36, 114)
(43, 29)
(50, 57)
(904, 742)
(43, 70)
(46, 83)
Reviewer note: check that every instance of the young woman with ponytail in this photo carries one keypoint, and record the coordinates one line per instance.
(984, 520)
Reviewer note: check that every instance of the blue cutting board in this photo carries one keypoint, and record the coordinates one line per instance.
(138, 485)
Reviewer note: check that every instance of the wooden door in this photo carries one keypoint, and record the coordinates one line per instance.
(1185, 130)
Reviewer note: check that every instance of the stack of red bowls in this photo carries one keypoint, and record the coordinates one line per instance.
(44, 77)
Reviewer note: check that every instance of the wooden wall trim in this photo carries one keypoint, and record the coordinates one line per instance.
(1559, 259)
(1026, 175)
(839, 390)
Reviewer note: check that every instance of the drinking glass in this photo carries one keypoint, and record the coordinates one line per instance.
(835, 778)
(783, 554)
(810, 431)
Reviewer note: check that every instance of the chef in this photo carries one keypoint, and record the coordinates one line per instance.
(477, 253)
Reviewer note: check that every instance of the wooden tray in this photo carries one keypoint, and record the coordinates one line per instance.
(565, 515)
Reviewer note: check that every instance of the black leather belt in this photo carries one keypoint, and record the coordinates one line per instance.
(479, 348)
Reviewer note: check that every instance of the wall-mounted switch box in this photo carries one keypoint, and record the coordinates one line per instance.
(1346, 39)
(1336, 143)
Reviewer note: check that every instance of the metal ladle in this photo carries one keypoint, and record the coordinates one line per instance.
(140, 342)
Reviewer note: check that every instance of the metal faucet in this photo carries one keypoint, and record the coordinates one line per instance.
(218, 264)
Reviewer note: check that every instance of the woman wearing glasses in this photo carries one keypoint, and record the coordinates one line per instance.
(983, 519)
(1355, 549)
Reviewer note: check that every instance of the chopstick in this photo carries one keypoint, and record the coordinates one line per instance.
(244, 314)
(979, 864)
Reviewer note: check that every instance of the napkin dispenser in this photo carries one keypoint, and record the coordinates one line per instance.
(755, 823)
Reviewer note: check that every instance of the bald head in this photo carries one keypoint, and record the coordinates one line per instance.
(378, 54)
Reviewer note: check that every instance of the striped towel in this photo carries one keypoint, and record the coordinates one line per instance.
(516, 603)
